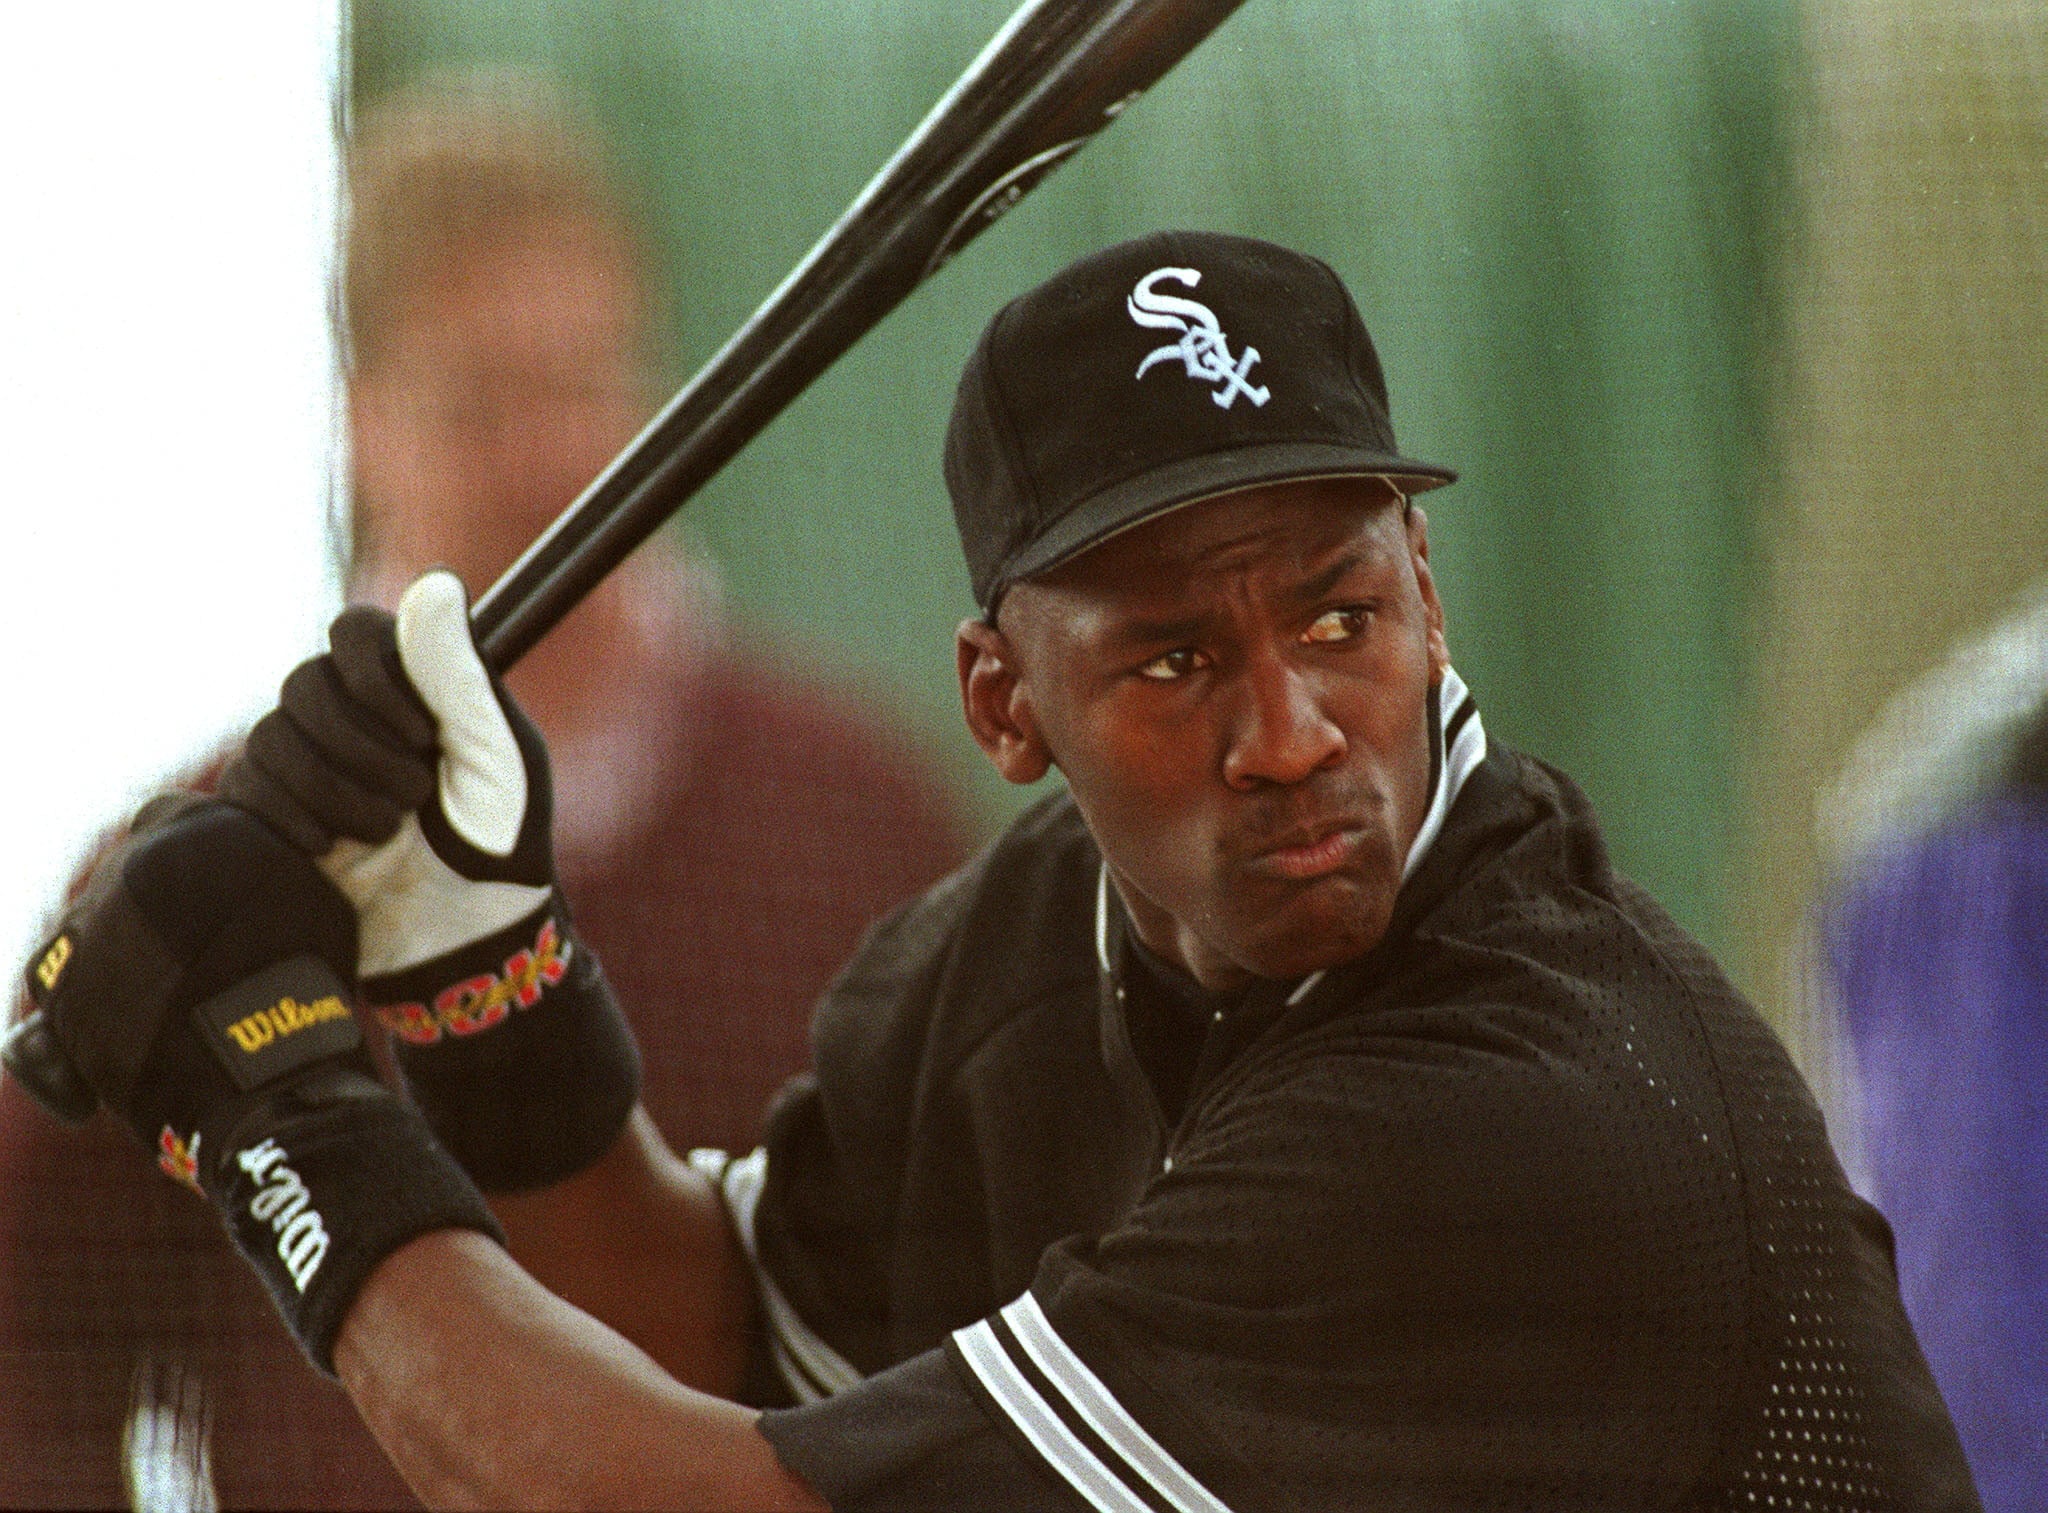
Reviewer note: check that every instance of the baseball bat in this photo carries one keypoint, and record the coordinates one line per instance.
(1057, 73)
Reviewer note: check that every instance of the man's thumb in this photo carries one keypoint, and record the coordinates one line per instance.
(482, 776)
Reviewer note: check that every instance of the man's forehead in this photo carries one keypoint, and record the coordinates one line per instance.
(1293, 523)
(1160, 575)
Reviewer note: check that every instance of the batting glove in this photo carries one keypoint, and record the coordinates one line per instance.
(423, 789)
(201, 984)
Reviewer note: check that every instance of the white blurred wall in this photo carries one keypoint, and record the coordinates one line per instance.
(167, 400)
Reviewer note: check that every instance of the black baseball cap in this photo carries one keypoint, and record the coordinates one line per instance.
(1163, 371)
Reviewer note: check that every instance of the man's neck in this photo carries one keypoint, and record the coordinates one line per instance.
(1176, 946)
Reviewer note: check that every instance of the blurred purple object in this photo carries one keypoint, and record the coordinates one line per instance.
(1939, 952)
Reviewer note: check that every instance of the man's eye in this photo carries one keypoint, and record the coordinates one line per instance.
(1174, 664)
(1338, 624)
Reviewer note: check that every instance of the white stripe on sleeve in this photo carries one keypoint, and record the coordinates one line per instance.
(1136, 1458)
(1100, 1410)
(1059, 1445)
(810, 1368)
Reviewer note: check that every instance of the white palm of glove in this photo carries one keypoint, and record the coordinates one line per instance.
(411, 904)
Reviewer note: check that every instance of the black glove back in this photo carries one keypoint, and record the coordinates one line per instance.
(218, 988)
(201, 984)
(348, 751)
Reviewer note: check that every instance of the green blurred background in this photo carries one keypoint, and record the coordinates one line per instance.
(1582, 232)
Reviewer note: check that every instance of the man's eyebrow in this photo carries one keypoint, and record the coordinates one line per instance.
(1178, 628)
(1331, 576)
(1154, 632)
(1355, 560)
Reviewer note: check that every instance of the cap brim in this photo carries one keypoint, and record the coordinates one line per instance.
(1190, 480)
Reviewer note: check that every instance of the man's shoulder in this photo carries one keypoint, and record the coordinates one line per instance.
(1522, 878)
(1044, 859)
(1034, 879)
(1012, 927)
(1525, 965)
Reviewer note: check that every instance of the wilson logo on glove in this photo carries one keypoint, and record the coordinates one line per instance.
(283, 1203)
(287, 1016)
(475, 1004)
(51, 966)
(283, 1018)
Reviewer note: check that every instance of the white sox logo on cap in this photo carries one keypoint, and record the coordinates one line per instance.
(1203, 347)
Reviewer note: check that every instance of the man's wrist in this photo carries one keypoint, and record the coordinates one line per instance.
(515, 1051)
(321, 1178)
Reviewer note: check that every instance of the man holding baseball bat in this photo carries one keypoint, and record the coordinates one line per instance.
(1296, 1111)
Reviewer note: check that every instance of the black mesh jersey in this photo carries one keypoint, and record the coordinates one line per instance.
(1524, 1209)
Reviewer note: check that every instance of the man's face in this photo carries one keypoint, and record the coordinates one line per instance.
(1236, 693)
(497, 397)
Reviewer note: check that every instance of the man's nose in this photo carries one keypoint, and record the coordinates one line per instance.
(1281, 732)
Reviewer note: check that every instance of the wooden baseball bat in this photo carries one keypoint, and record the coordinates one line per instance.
(1057, 73)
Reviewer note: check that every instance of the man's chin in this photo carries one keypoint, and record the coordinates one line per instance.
(1327, 923)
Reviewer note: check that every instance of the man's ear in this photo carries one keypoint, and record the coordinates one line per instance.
(1417, 525)
(997, 707)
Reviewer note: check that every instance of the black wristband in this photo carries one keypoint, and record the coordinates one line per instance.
(321, 1179)
(516, 1051)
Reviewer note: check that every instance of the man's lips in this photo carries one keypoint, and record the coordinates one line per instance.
(1318, 853)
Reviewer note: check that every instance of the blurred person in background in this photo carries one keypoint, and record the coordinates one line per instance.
(1935, 955)
(498, 320)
